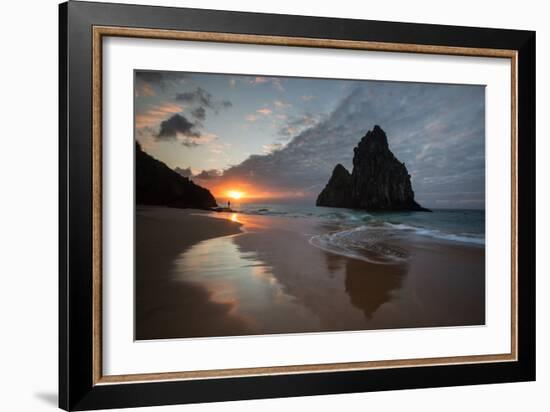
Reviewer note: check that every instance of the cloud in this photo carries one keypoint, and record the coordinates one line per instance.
(199, 113)
(437, 130)
(297, 124)
(259, 80)
(202, 98)
(144, 89)
(179, 128)
(208, 174)
(149, 76)
(307, 98)
(264, 111)
(288, 131)
(168, 118)
(274, 81)
(187, 172)
(219, 148)
(153, 116)
(277, 84)
(281, 105)
(160, 77)
(270, 148)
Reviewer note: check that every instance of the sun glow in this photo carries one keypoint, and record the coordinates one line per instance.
(235, 194)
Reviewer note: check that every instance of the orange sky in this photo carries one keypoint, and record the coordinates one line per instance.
(244, 191)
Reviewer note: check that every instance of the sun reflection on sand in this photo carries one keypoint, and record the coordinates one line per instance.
(244, 281)
(248, 222)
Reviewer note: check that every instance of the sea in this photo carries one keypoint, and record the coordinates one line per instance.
(354, 231)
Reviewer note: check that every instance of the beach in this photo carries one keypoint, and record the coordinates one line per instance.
(205, 274)
(165, 308)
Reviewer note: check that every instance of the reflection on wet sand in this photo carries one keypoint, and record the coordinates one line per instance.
(237, 277)
(280, 284)
(369, 286)
(163, 308)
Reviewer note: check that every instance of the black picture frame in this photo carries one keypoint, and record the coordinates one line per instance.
(77, 390)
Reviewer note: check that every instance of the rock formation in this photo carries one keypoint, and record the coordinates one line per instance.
(378, 181)
(337, 192)
(157, 184)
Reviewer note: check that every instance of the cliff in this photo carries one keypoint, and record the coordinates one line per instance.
(157, 184)
(378, 181)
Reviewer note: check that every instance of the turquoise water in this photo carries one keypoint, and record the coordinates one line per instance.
(457, 225)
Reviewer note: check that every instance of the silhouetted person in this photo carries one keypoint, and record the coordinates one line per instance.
(228, 204)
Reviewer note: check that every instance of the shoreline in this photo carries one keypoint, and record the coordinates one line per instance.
(164, 308)
(208, 282)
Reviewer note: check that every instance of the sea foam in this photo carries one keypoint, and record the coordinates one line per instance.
(368, 243)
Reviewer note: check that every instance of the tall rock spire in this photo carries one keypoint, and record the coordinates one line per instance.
(378, 181)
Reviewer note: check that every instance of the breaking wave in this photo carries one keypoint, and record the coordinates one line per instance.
(472, 238)
(368, 243)
(375, 242)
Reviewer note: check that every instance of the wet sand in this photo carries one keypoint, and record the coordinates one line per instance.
(165, 308)
(199, 276)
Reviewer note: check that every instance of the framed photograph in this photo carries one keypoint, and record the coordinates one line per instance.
(257, 205)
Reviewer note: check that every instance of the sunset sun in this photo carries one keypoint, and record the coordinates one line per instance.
(235, 194)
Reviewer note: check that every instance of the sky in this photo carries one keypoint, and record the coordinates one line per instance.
(279, 138)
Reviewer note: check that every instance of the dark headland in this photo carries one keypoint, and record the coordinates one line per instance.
(157, 184)
(378, 181)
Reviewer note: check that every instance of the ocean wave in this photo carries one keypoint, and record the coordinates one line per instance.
(367, 243)
(437, 234)
(265, 212)
(335, 216)
(444, 226)
(376, 242)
